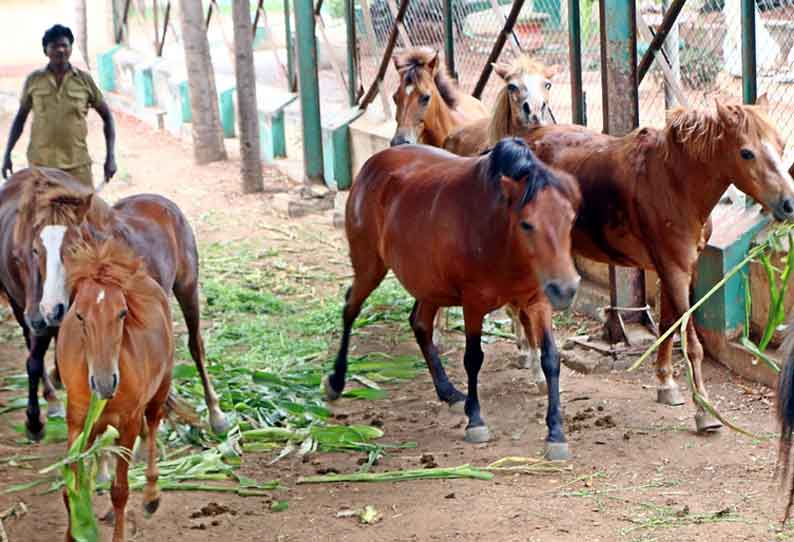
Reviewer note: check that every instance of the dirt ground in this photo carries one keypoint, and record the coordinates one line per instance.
(639, 473)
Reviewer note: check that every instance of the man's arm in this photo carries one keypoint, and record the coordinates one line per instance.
(110, 139)
(16, 131)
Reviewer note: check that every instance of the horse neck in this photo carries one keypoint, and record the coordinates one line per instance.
(435, 133)
(701, 183)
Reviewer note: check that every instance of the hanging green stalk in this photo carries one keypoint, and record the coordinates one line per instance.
(777, 295)
(463, 471)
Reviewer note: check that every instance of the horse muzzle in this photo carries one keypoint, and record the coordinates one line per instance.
(37, 324)
(561, 293)
(400, 139)
(784, 210)
(104, 386)
(53, 316)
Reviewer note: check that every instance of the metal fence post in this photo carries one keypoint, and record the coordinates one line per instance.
(309, 92)
(352, 52)
(291, 84)
(575, 55)
(449, 37)
(749, 76)
(621, 115)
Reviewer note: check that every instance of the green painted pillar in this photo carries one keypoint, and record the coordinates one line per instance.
(579, 114)
(309, 92)
(749, 76)
(352, 52)
(290, 50)
(621, 116)
(449, 38)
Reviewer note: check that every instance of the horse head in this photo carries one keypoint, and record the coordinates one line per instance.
(417, 94)
(526, 91)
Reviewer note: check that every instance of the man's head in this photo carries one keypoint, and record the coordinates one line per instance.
(57, 44)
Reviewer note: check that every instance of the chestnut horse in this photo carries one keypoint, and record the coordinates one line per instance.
(471, 232)
(647, 198)
(151, 225)
(116, 342)
(429, 105)
(523, 101)
(22, 288)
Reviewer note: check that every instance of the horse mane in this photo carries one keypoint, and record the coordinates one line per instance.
(499, 125)
(700, 133)
(111, 263)
(51, 197)
(511, 157)
(411, 61)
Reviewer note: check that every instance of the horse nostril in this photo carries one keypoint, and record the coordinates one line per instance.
(788, 208)
(527, 111)
(93, 383)
(398, 140)
(58, 313)
(115, 381)
(553, 290)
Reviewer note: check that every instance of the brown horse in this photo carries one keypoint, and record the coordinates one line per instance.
(151, 225)
(116, 342)
(22, 288)
(429, 105)
(522, 102)
(647, 198)
(471, 232)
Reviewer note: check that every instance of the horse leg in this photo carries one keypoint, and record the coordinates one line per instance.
(55, 374)
(439, 327)
(534, 323)
(527, 356)
(677, 285)
(188, 298)
(476, 430)
(151, 494)
(363, 284)
(668, 392)
(556, 445)
(54, 406)
(120, 491)
(35, 366)
(422, 317)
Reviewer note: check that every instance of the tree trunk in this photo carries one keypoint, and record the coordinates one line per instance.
(207, 133)
(251, 162)
(81, 29)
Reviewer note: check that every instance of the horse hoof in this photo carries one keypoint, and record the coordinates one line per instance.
(542, 388)
(219, 423)
(458, 407)
(477, 434)
(151, 507)
(56, 410)
(557, 451)
(525, 362)
(330, 393)
(34, 435)
(109, 517)
(669, 396)
(706, 423)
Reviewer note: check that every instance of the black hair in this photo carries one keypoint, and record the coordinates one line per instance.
(55, 33)
(511, 157)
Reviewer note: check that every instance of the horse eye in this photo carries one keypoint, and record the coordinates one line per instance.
(547, 84)
(122, 314)
(526, 226)
(35, 251)
(79, 316)
(424, 99)
(512, 88)
(746, 154)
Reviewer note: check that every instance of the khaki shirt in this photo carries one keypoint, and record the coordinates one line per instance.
(58, 134)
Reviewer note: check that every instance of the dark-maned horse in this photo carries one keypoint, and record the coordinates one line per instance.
(429, 105)
(471, 232)
(22, 287)
(151, 225)
(647, 197)
(116, 342)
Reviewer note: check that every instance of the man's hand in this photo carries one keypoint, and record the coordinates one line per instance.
(7, 168)
(110, 168)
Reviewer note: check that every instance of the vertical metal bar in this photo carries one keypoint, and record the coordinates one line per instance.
(352, 52)
(123, 24)
(671, 45)
(749, 74)
(449, 38)
(575, 60)
(293, 87)
(156, 15)
(309, 92)
(498, 45)
(257, 13)
(621, 115)
(166, 18)
(209, 14)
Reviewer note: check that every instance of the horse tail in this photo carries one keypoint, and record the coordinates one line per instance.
(179, 410)
(785, 416)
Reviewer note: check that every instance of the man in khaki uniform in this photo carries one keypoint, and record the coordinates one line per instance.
(60, 96)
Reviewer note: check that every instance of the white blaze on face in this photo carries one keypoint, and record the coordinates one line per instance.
(777, 161)
(536, 95)
(409, 89)
(54, 288)
(100, 297)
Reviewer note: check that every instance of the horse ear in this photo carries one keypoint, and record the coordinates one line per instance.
(501, 69)
(762, 100)
(395, 58)
(432, 64)
(725, 113)
(511, 190)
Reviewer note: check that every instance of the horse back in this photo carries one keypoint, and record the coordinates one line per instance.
(10, 282)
